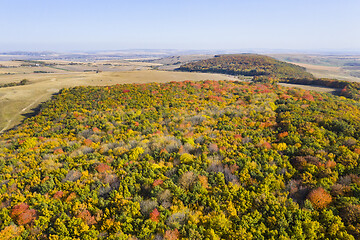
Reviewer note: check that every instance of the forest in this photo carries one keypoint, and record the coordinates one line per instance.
(184, 160)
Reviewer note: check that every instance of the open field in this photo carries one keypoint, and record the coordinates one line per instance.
(329, 72)
(345, 67)
(55, 66)
(311, 88)
(16, 102)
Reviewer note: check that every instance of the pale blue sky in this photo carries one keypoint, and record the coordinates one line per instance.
(67, 25)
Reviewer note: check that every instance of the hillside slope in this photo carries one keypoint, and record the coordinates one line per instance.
(196, 160)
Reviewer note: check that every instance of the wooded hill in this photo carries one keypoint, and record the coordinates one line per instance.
(194, 160)
(248, 65)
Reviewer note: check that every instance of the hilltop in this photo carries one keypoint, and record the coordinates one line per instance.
(196, 160)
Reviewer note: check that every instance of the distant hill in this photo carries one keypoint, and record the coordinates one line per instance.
(248, 65)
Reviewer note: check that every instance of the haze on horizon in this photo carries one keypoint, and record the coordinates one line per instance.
(41, 25)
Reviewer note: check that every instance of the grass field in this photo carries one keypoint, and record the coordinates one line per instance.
(16, 102)
(329, 72)
(310, 88)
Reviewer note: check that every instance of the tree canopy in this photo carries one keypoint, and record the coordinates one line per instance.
(195, 160)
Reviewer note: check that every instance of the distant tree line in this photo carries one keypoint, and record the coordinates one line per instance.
(13, 84)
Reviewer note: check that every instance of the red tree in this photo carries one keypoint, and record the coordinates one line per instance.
(319, 198)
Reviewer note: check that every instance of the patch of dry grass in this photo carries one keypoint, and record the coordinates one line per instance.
(329, 72)
(311, 88)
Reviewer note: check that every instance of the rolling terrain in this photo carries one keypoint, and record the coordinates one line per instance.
(18, 101)
(46, 77)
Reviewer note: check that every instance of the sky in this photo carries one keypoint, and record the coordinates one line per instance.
(90, 25)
